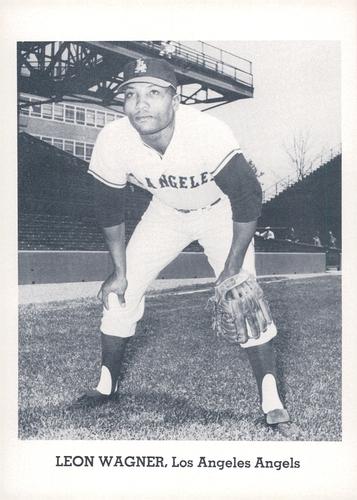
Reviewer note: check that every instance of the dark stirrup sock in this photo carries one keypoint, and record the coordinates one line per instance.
(113, 349)
(263, 362)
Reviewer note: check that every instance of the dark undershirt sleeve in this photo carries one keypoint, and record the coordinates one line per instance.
(238, 181)
(109, 204)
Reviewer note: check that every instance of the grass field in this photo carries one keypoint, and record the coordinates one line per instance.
(179, 382)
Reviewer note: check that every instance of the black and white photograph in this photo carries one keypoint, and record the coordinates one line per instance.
(179, 247)
(177, 284)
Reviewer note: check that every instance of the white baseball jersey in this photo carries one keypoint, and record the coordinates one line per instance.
(183, 177)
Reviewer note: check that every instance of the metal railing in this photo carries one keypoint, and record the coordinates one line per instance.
(205, 55)
(290, 180)
(196, 52)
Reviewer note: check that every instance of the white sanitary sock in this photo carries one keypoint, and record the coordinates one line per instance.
(270, 396)
(105, 383)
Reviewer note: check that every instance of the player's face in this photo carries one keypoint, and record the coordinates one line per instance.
(150, 108)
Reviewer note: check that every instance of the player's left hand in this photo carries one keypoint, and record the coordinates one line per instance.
(238, 303)
(228, 272)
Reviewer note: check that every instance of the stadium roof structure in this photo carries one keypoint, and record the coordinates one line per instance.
(91, 72)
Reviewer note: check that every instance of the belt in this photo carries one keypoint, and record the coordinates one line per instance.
(186, 211)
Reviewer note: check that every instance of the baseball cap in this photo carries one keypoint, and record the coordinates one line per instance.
(149, 70)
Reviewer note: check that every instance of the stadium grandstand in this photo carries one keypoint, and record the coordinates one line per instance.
(67, 93)
(310, 204)
(55, 204)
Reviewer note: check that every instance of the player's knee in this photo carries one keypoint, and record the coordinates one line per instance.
(121, 321)
(265, 337)
(114, 301)
(131, 308)
(118, 330)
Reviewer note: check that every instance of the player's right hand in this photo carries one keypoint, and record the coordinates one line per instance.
(113, 284)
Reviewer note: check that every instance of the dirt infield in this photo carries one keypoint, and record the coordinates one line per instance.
(34, 294)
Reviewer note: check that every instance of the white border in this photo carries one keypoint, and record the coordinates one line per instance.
(329, 469)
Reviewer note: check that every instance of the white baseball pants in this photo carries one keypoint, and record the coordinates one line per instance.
(159, 237)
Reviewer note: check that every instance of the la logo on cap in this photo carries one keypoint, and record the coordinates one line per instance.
(141, 66)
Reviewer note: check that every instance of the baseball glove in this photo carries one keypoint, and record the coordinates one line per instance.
(240, 310)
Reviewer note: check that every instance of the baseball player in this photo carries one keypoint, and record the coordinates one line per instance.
(203, 189)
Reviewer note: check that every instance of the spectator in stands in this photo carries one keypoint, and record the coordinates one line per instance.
(331, 240)
(292, 236)
(168, 49)
(316, 239)
(268, 234)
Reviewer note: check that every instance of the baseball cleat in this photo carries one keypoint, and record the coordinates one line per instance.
(91, 399)
(278, 416)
